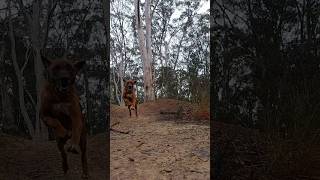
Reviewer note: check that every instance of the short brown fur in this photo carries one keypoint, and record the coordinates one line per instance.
(60, 108)
(129, 96)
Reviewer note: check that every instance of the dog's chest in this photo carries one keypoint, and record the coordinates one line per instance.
(62, 108)
(62, 113)
(129, 96)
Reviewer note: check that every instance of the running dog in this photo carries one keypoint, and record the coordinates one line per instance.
(129, 95)
(60, 108)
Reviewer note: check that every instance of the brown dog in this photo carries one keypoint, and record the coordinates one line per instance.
(60, 108)
(129, 96)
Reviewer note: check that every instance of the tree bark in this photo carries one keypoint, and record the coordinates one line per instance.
(7, 118)
(41, 130)
(33, 21)
(19, 77)
(145, 49)
(116, 87)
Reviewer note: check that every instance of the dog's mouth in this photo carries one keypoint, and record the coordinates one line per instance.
(130, 89)
(63, 85)
(63, 89)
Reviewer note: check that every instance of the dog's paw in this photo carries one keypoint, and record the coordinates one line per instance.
(84, 176)
(73, 149)
(69, 134)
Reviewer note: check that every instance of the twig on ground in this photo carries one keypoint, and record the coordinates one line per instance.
(140, 144)
(116, 123)
(119, 131)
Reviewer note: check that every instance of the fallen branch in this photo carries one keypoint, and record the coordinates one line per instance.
(192, 170)
(139, 145)
(119, 131)
(116, 123)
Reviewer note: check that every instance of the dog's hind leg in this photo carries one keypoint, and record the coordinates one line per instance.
(83, 148)
(61, 143)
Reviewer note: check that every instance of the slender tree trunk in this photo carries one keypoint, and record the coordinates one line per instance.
(121, 76)
(2, 84)
(41, 132)
(19, 77)
(88, 102)
(116, 88)
(145, 50)
(7, 118)
(38, 39)
(9, 122)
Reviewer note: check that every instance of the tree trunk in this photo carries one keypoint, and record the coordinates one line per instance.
(116, 87)
(41, 132)
(9, 122)
(145, 49)
(33, 21)
(7, 118)
(121, 76)
(88, 102)
(19, 78)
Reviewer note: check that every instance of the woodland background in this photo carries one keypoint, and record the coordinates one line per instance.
(177, 38)
(265, 88)
(266, 62)
(177, 49)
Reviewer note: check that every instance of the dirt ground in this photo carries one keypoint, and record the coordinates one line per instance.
(158, 146)
(21, 159)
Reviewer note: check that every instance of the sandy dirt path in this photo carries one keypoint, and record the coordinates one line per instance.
(158, 146)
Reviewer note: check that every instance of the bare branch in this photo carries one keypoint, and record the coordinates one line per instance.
(27, 57)
(48, 18)
(25, 13)
(155, 7)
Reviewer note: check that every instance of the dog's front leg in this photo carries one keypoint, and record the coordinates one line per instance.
(126, 101)
(133, 104)
(59, 130)
(77, 124)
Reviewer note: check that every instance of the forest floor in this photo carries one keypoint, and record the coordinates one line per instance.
(22, 159)
(159, 146)
(162, 146)
(241, 153)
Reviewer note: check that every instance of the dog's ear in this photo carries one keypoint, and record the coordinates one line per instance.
(78, 65)
(46, 62)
